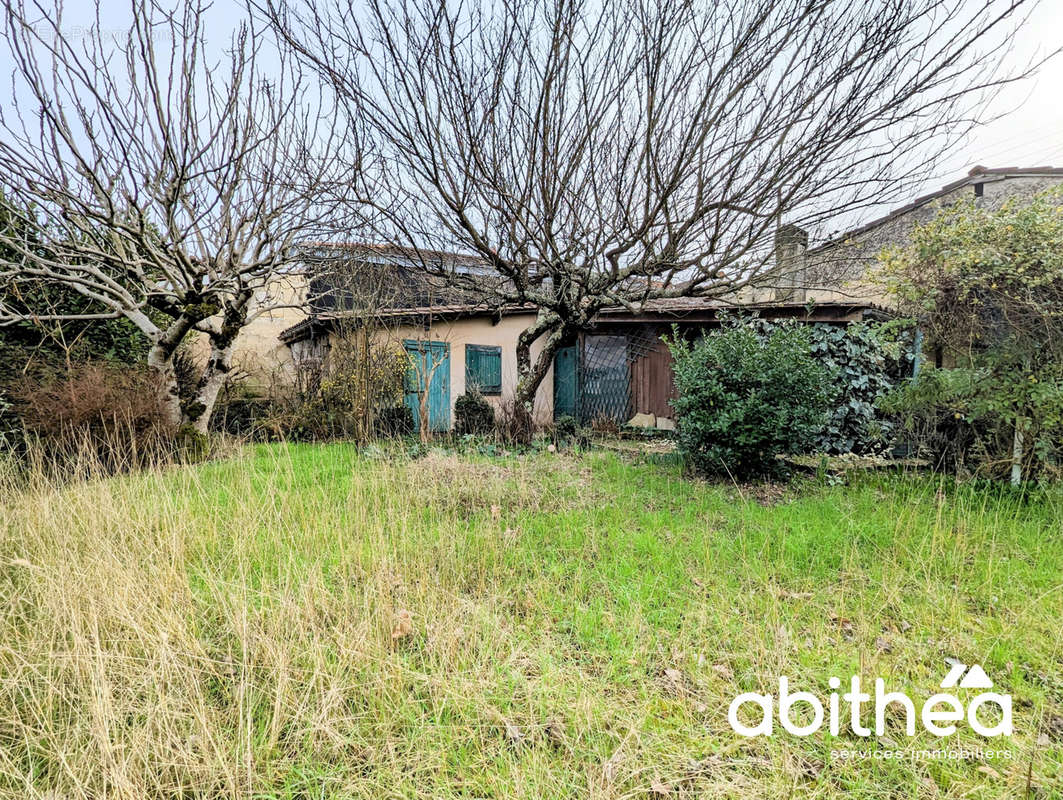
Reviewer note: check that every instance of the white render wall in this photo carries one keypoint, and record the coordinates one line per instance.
(485, 331)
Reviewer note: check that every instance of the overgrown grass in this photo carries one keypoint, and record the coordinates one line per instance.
(576, 628)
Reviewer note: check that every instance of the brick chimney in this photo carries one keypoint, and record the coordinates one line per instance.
(791, 242)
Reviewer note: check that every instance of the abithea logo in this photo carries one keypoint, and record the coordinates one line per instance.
(938, 714)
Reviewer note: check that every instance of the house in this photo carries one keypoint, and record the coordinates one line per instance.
(839, 268)
(621, 368)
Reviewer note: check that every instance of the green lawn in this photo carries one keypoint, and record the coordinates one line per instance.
(307, 622)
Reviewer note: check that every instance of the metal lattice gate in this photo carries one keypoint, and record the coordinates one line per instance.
(603, 373)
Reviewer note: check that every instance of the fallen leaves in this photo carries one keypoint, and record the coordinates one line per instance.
(724, 671)
(660, 789)
(403, 624)
(848, 630)
(555, 732)
(1054, 727)
(514, 735)
(786, 594)
(673, 681)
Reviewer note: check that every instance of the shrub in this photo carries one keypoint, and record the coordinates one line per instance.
(566, 426)
(394, 422)
(867, 361)
(241, 411)
(745, 398)
(515, 424)
(115, 411)
(986, 288)
(473, 414)
(341, 395)
(926, 409)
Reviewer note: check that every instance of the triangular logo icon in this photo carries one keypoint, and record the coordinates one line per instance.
(953, 675)
(976, 679)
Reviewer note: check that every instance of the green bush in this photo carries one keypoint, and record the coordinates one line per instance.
(473, 414)
(867, 360)
(747, 396)
(241, 410)
(985, 286)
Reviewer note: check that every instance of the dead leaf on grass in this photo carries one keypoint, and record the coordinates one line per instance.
(660, 789)
(985, 769)
(514, 735)
(696, 767)
(496, 513)
(724, 671)
(1054, 727)
(609, 770)
(555, 732)
(785, 594)
(674, 677)
(403, 625)
(882, 645)
(845, 626)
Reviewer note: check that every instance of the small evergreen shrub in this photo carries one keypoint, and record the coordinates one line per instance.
(473, 414)
(867, 360)
(745, 398)
(241, 410)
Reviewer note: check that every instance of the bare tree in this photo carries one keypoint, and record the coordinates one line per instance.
(617, 153)
(173, 189)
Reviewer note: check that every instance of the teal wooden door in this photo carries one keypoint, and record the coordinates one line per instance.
(566, 376)
(429, 362)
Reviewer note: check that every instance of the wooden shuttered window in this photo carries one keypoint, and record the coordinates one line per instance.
(483, 368)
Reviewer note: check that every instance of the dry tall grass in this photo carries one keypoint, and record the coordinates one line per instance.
(164, 638)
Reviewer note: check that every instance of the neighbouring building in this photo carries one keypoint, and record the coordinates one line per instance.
(621, 368)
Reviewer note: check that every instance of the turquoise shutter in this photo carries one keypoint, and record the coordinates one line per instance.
(483, 368)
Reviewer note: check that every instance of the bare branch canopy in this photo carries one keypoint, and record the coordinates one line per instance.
(602, 154)
(171, 186)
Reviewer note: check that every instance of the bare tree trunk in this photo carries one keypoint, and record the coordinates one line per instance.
(219, 364)
(425, 417)
(423, 409)
(530, 374)
(160, 362)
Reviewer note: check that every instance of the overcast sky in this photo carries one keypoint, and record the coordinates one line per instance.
(1030, 135)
